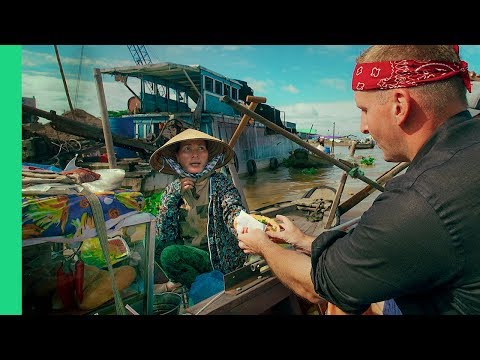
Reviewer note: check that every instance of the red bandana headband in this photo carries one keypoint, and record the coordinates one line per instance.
(386, 75)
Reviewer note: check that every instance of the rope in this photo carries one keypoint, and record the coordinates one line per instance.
(64, 145)
(355, 172)
(102, 235)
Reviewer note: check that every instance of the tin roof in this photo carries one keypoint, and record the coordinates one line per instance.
(170, 73)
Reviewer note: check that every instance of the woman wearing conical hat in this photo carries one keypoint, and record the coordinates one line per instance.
(195, 230)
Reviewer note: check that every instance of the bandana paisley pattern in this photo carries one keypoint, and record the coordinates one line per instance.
(386, 75)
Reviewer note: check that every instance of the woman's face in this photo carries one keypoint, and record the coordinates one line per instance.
(192, 155)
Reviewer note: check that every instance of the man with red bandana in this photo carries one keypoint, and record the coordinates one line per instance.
(419, 243)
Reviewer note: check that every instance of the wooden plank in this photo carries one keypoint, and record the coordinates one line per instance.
(313, 228)
(253, 301)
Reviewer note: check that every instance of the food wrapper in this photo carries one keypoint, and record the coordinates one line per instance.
(91, 252)
(245, 220)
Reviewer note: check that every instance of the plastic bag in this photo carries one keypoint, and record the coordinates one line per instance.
(110, 179)
(206, 285)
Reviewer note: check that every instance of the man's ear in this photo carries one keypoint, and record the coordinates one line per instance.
(401, 105)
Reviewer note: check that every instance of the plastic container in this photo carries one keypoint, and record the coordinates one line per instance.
(91, 251)
(167, 303)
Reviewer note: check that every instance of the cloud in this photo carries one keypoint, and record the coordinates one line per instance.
(260, 87)
(50, 94)
(231, 47)
(329, 49)
(31, 59)
(291, 89)
(187, 48)
(322, 116)
(334, 83)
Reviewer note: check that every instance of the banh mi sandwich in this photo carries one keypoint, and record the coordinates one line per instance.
(271, 224)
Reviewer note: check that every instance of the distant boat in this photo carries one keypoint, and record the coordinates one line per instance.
(302, 159)
(173, 97)
(365, 144)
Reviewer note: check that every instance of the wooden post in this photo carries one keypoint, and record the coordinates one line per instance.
(192, 83)
(333, 139)
(107, 134)
(254, 101)
(339, 192)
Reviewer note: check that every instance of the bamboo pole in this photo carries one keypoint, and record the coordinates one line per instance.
(107, 134)
(192, 83)
(296, 139)
(64, 81)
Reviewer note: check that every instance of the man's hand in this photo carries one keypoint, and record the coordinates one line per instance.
(291, 234)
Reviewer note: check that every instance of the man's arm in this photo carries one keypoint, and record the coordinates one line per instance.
(398, 247)
(292, 268)
(291, 234)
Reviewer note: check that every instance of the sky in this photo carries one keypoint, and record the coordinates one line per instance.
(310, 83)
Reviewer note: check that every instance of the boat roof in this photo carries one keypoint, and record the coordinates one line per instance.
(170, 73)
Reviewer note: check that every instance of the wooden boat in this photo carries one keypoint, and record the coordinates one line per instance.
(253, 289)
(310, 212)
(168, 98)
(366, 144)
(302, 159)
(189, 97)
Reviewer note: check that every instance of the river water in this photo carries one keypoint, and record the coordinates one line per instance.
(267, 186)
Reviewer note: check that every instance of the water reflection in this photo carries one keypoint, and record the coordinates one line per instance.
(272, 186)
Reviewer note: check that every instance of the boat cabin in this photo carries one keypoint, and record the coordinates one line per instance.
(169, 87)
(173, 97)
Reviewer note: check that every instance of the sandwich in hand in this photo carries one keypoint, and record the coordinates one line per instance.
(255, 221)
(270, 224)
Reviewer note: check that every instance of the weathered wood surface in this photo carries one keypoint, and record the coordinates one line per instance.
(73, 127)
(302, 218)
(256, 300)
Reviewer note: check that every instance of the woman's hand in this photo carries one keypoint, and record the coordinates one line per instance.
(186, 184)
(250, 241)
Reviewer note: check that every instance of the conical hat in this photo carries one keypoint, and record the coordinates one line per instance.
(169, 149)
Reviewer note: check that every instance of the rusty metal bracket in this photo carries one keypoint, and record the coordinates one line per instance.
(247, 276)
